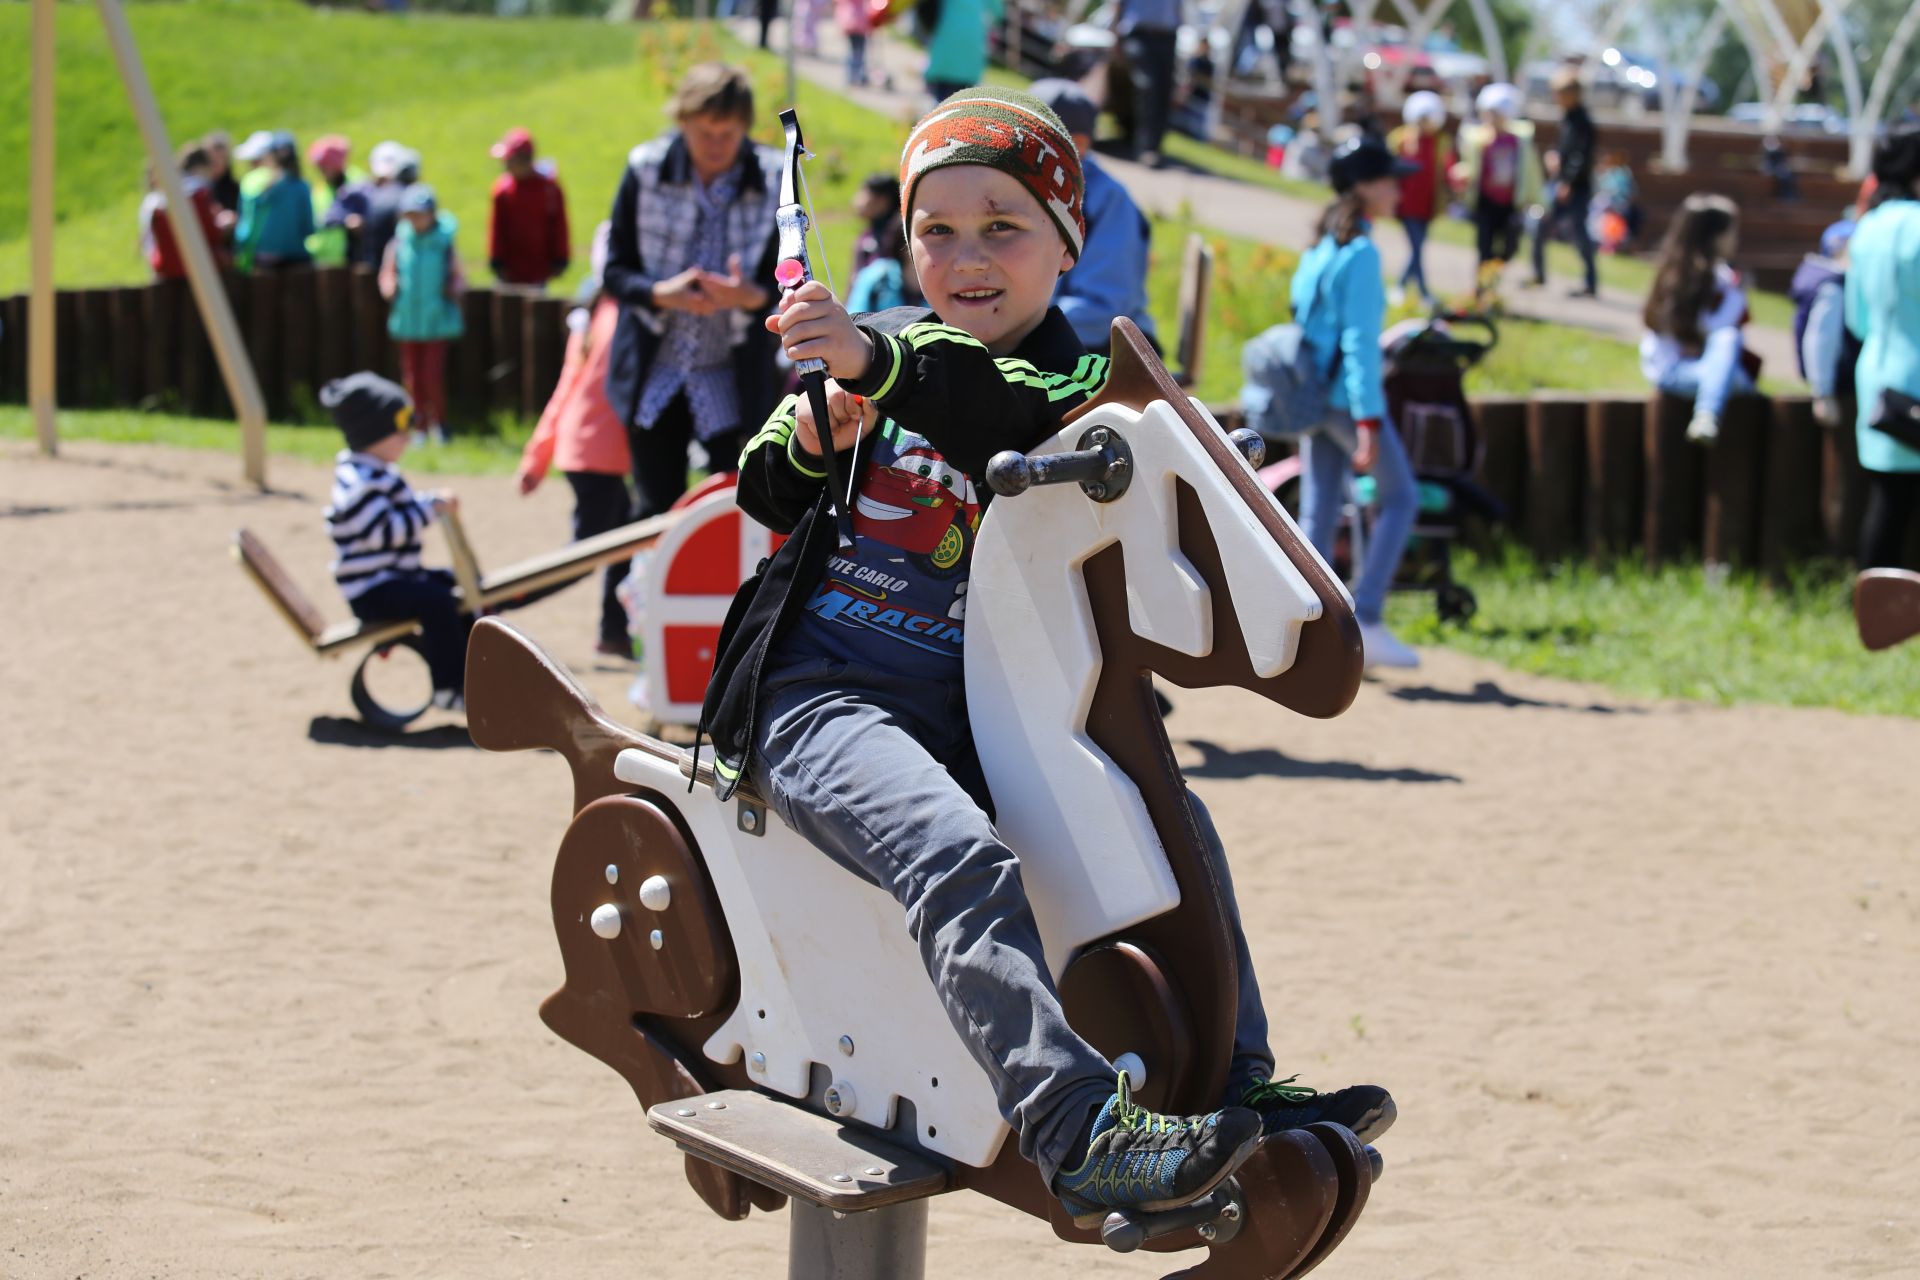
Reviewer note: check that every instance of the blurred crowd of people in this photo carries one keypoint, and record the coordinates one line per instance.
(261, 209)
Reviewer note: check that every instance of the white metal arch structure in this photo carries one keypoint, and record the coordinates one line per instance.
(1420, 24)
(1676, 105)
(1867, 123)
(1825, 28)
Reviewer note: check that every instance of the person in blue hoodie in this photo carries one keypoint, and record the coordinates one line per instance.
(1340, 304)
(1827, 351)
(1110, 279)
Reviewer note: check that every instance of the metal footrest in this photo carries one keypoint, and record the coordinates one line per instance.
(810, 1157)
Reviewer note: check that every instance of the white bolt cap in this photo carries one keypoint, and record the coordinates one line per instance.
(1135, 1068)
(606, 920)
(655, 893)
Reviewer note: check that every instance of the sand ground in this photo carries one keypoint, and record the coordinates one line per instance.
(1642, 976)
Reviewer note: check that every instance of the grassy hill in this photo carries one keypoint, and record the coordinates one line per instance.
(448, 86)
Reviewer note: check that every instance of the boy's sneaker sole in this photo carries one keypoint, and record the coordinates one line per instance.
(1086, 1214)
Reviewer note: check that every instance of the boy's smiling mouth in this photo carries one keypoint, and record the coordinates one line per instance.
(977, 296)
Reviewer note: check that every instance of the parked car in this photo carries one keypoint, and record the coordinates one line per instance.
(1801, 117)
(1624, 75)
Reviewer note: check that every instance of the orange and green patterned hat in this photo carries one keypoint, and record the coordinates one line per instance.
(1006, 130)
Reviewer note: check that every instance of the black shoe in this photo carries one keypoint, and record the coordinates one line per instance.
(1366, 1109)
(1583, 293)
(1141, 1161)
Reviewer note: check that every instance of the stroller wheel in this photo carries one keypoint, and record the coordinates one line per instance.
(1455, 602)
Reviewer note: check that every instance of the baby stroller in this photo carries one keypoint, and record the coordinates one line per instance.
(1426, 362)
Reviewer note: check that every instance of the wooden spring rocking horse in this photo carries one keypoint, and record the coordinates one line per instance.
(769, 1008)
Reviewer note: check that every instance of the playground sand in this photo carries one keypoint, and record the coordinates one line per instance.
(1641, 976)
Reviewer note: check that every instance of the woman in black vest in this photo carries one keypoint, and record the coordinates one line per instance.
(690, 258)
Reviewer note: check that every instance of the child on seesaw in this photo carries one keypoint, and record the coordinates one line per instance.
(376, 521)
(852, 721)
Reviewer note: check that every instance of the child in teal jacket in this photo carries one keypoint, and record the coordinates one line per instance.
(421, 280)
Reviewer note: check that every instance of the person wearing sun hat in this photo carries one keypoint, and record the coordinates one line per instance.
(1498, 174)
(1421, 141)
(527, 240)
(847, 712)
(328, 155)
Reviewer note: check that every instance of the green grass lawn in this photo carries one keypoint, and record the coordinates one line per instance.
(1676, 633)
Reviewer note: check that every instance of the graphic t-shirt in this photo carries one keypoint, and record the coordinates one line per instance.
(1500, 171)
(897, 599)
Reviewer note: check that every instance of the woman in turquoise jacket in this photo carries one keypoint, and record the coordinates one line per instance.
(276, 219)
(1883, 310)
(957, 46)
(1340, 304)
(422, 281)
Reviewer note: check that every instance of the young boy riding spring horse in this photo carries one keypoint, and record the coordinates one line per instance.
(838, 691)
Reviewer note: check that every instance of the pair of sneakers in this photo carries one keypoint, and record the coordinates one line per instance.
(1144, 1162)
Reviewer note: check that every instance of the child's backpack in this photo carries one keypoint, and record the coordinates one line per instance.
(1284, 395)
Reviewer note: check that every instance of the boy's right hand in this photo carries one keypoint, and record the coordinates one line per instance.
(529, 481)
(447, 500)
(814, 325)
(853, 417)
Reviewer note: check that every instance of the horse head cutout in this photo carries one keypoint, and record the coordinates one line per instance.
(1193, 572)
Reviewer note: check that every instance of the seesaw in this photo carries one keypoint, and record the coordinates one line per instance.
(769, 1008)
(1886, 606)
(478, 593)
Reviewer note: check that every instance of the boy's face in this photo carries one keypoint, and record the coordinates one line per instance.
(519, 163)
(986, 253)
(422, 221)
(389, 448)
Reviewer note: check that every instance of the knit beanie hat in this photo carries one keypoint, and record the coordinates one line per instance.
(1003, 129)
(366, 407)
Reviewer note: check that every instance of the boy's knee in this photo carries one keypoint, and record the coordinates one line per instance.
(985, 883)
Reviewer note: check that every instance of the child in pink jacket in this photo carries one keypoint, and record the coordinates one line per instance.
(856, 24)
(582, 434)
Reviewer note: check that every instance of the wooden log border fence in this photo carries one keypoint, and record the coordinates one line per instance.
(1598, 476)
(143, 346)
(1602, 477)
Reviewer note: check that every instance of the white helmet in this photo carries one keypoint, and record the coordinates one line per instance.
(1424, 105)
(1499, 98)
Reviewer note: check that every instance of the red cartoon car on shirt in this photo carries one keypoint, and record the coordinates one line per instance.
(920, 503)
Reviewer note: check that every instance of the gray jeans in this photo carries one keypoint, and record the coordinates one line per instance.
(878, 771)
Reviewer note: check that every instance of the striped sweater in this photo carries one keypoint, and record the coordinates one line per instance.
(376, 522)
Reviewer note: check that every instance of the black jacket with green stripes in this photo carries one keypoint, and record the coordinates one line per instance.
(934, 380)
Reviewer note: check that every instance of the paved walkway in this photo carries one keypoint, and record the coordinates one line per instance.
(1252, 212)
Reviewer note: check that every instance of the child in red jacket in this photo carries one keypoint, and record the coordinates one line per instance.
(527, 228)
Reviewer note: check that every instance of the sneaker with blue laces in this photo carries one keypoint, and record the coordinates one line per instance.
(1366, 1109)
(1144, 1162)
